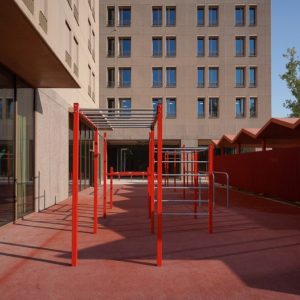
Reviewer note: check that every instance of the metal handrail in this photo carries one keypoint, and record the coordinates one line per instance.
(227, 186)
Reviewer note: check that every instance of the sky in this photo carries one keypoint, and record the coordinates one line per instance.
(285, 34)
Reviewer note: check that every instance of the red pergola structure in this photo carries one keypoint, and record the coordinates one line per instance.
(107, 120)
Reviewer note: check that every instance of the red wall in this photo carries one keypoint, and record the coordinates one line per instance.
(273, 173)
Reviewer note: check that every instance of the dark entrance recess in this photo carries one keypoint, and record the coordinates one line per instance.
(128, 157)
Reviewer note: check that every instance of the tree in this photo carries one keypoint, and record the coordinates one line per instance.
(292, 79)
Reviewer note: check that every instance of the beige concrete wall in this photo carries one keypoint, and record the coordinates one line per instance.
(52, 105)
(187, 126)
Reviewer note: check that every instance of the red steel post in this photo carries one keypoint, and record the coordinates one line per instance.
(104, 173)
(174, 168)
(149, 176)
(183, 164)
(75, 185)
(159, 186)
(96, 180)
(152, 178)
(111, 187)
(210, 184)
(195, 183)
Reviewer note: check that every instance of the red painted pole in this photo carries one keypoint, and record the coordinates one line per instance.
(167, 168)
(111, 187)
(75, 185)
(104, 173)
(159, 186)
(95, 180)
(174, 168)
(183, 162)
(210, 184)
(195, 183)
(152, 178)
(149, 176)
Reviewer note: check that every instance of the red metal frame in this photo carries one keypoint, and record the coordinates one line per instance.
(104, 172)
(210, 187)
(152, 178)
(111, 174)
(96, 162)
(75, 185)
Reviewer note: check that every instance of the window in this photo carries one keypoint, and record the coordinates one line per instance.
(125, 104)
(90, 81)
(171, 46)
(213, 77)
(239, 46)
(111, 104)
(155, 102)
(213, 107)
(124, 16)
(213, 16)
(200, 16)
(110, 77)
(157, 16)
(9, 108)
(252, 76)
(157, 46)
(240, 77)
(171, 77)
(170, 16)
(1, 108)
(93, 86)
(76, 58)
(239, 16)
(213, 46)
(75, 12)
(200, 46)
(110, 16)
(125, 77)
(90, 36)
(110, 46)
(125, 47)
(201, 108)
(201, 76)
(171, 108)
(43, 15)
(253, 107)
(68, 41)
(157, 77)
(252, 15)
(240, 107)
(93, 44)
(252, 46)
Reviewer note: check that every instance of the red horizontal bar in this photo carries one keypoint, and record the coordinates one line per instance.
(128, 174)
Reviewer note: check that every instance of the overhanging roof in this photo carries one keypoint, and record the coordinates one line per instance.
(24, 51)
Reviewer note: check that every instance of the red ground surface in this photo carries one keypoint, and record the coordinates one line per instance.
(253, 253)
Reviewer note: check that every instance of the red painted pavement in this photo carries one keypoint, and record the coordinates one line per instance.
(252, 254)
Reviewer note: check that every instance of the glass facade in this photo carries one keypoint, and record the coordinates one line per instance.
(16, 147)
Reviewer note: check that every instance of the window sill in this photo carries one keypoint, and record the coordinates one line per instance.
(170, 117)
(240, 86)
(153, 25)
(200, 55)
(171, 86)
(200, 117)
(213, 25)
(157, 86)
(240, 55)
(252, 86)
(213, 86)
(217, 117)
(170, 25)
(200, 86)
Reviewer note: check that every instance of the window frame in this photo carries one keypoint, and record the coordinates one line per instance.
(201, 116)
(168, 100)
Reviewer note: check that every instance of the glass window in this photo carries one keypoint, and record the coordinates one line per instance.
(125, 104)
(252, 16)
(252, 76)
(253, 107)
(171, 77)
(240, 107)
(110, 77)
(76, 57)
(125, 47)
(201, 76)
(252, 46)
(239, 46)
(171, 108)
(240, 16)
(213, 16)
(171, 46)
(200, 46)
(157, 46)
(110, 16)
(111, 104)
(157, 16)
(171, 16)
(110, 46)
(155, 102)
(200, 16)
(1, 109)
(10, 108)
(240, 77)
(68, 44)
(124, 16)
(201, 108)
(213, 77)
(213, 46)
(125, 77)
(213, 107)
(157, 77)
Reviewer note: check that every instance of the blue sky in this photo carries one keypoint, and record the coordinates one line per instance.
(285, 34)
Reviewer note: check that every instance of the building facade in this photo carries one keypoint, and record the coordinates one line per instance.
(48, 61)
(208, 62)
